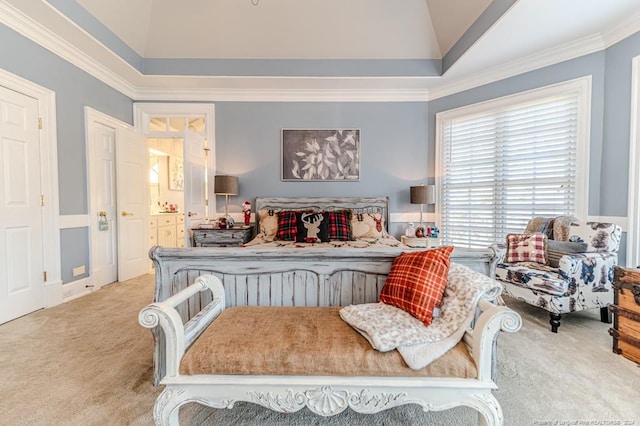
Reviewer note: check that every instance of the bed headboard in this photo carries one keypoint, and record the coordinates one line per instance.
(356, 204)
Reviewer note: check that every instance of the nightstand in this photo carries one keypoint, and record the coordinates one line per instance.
(218, 237)
(424, 242)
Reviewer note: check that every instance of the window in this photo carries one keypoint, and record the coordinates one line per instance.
(504, 161)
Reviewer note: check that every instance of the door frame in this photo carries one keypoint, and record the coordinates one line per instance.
(143, 111)
(633, 208)
(48, 180)
(91, 118)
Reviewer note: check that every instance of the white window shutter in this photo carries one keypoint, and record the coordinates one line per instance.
(502, 167)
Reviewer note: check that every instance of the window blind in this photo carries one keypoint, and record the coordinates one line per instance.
(502, 167)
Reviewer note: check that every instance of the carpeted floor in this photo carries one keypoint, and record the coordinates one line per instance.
(88, 362)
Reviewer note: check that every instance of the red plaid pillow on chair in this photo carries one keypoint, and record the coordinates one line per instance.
(287, 227)
(340, 225)
(417, 281)
(526, 248)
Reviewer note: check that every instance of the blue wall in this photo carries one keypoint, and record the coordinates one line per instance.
(397, 138)
(393, 147)
(74, 90)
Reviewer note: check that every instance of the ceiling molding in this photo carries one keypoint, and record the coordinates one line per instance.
(284, 95)
(628, 26)
(23, 24)
(543, 59)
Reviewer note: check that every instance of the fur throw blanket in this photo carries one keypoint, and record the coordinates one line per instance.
(387, 327)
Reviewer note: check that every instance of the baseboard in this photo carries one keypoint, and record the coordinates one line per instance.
(76, 289)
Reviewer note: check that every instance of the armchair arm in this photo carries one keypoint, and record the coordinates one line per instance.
(500, 249)
(591, 272)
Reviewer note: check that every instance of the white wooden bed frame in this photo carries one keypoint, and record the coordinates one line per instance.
(287, 277)
(323, 395)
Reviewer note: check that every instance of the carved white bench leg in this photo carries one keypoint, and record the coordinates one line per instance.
(489, 411)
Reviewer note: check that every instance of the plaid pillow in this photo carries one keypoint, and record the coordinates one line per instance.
(526, 248)
(417, 281)
(286, 226)
(340, 225)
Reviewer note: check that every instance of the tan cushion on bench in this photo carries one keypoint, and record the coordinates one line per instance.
(261, 340)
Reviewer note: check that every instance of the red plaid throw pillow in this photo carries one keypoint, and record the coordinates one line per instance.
(340, 225)
(287, 226)
(417, 281)
(526, 248)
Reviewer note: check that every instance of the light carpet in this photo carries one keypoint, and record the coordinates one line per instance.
(88, 362)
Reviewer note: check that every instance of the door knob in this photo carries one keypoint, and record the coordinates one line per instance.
(192, 214)
(126, 213)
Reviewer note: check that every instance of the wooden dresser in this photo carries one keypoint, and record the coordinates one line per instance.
(626, 313)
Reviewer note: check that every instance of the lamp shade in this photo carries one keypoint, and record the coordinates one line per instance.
(225, 185)
(423, 194)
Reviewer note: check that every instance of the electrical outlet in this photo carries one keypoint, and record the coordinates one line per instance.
(78, 270)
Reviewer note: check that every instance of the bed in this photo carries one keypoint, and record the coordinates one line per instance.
(268, 273)
(289, 358)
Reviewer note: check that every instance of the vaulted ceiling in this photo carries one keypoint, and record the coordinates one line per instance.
(405, 45)
(288, 29)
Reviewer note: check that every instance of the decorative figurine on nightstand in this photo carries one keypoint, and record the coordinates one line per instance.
(246, 210)
(434, 232)
(419, 232)
(225, 222)
(411, 230)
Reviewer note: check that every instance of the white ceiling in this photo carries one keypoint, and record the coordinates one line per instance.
(530, 34)
(288, 29)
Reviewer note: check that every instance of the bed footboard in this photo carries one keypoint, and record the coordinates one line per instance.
(323, 395)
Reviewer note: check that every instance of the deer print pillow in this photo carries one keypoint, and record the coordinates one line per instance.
(312, 227)
(368, 225)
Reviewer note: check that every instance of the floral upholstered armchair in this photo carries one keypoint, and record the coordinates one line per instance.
(561, 265)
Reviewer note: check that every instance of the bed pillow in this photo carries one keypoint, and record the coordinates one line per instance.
(287, 227)
(368, 225)
(557, 249)
(417, 281)
(312, 227)
(526, 248)
(268, 224)
(339, 225)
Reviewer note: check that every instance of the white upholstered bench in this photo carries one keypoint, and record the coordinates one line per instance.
(287, 358)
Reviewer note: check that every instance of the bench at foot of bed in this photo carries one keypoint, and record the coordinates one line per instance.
(288, 358)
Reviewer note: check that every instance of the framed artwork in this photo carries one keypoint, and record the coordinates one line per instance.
(320, 155)
(176, 173)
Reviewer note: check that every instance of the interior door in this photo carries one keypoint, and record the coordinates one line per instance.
(102, 181)
(194, 182)
(132, 169)
(21, 248)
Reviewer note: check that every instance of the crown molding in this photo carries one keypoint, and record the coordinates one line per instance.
(25, 25)
(572, 50)
(628, 26)
(283, 95)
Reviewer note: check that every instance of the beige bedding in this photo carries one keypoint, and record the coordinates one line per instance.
(266, 340)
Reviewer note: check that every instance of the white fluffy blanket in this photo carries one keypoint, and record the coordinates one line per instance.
(387, 327)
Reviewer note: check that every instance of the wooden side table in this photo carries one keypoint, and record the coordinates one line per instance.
(423, 242)
(219, 237)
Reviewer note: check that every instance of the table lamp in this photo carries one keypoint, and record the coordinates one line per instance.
(225, 185)
(423, 194)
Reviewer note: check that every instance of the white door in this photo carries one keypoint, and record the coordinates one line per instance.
(132, 170)
(102, 181)
(194, 182)
(21, 249)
